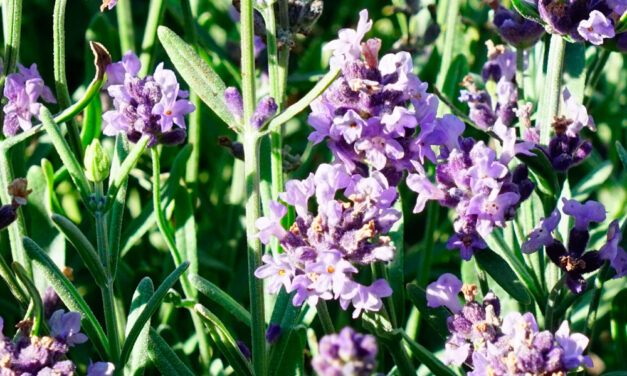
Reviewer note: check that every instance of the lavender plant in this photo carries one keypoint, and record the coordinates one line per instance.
(278, 253)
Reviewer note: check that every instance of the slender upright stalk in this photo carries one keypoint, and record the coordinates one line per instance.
(188, 290)
(255, 285)
(156, 10)
(433, 211)
(17, 229)
(60, 78)
(551, 99)
(125, 25)
(325, 318)
(251, 173)
(108, 300)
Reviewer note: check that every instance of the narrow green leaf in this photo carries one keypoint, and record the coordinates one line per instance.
(592, 181)
(528, 10)
(220, 298)
(84, 247)
(38, 306)
(185, 229)
(500, 271)
(116, 215)
(150, 308)
(139, 356)
(427, 358)
(435, 317)
(289, 324)
(197, 73)
(68, 294)
(622, 153)
(395, 268)
(164, 358)
(69, 159)
(117, 181)
(225, 342)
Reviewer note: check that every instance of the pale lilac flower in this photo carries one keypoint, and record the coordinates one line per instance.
(271, 225)
(23, 91)
(66, 327)
(366, 298)
(596, 28)
(426, 190)
(578, 114)
(278, 270)
(574, 345)
(148, 106)
(101, 369)
(116, 72)
(349, 42)
(350, 127)
(444, 292)
(542, 235)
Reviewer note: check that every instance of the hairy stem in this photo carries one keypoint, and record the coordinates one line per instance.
(551, 99)
(60, 78)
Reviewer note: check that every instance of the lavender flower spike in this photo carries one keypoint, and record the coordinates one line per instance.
(596, 28)
(346, 353)
(444, 291)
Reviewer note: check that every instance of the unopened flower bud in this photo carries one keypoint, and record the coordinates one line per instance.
(97, 162)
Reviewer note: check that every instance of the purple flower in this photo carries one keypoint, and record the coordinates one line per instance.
(23, 91)
(101, 369)
(271, 226)
(350, 127)
(346, 353)
(273, 333)
(244, 349)
(444, 292)
(590, 211)
(323, 248)
(51, 301)
(613, 252)
(578, 114)
(426, 190)
(467, 243)
(266, 109)
(148, 106)
(573, 345)
(279, 271)
(491, 210)
(596, 28)
(234, 103)
(516, 29)
(541, 235)
(108, 4)
(66, 327)
(348, 45)
(129, 65)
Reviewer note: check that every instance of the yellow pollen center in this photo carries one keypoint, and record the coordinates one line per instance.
(330, 269)
(281, 272)
(168, 112)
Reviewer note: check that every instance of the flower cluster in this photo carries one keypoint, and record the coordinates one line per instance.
(45, 356)
(479, 186)
(322, 249)
(513, 345)
(346, 353)
(500, 68)
(574, 260)
(148, 106)
(514, 28)
(23, 91)
(592, 21)
(366, 113)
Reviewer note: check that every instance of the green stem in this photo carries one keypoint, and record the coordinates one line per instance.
(433, 212)
(60, 78)
(37, 305)
(12, 27)
(156, 11)
(9, 278)
(325, 318)
(592, 77)
(551, 303)
(248, 58)
(125, 25)
(194, 139)
(253, 211)
(401, 359)
(596, 299)
(188, 290)
(551, 98)
(17, 229)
